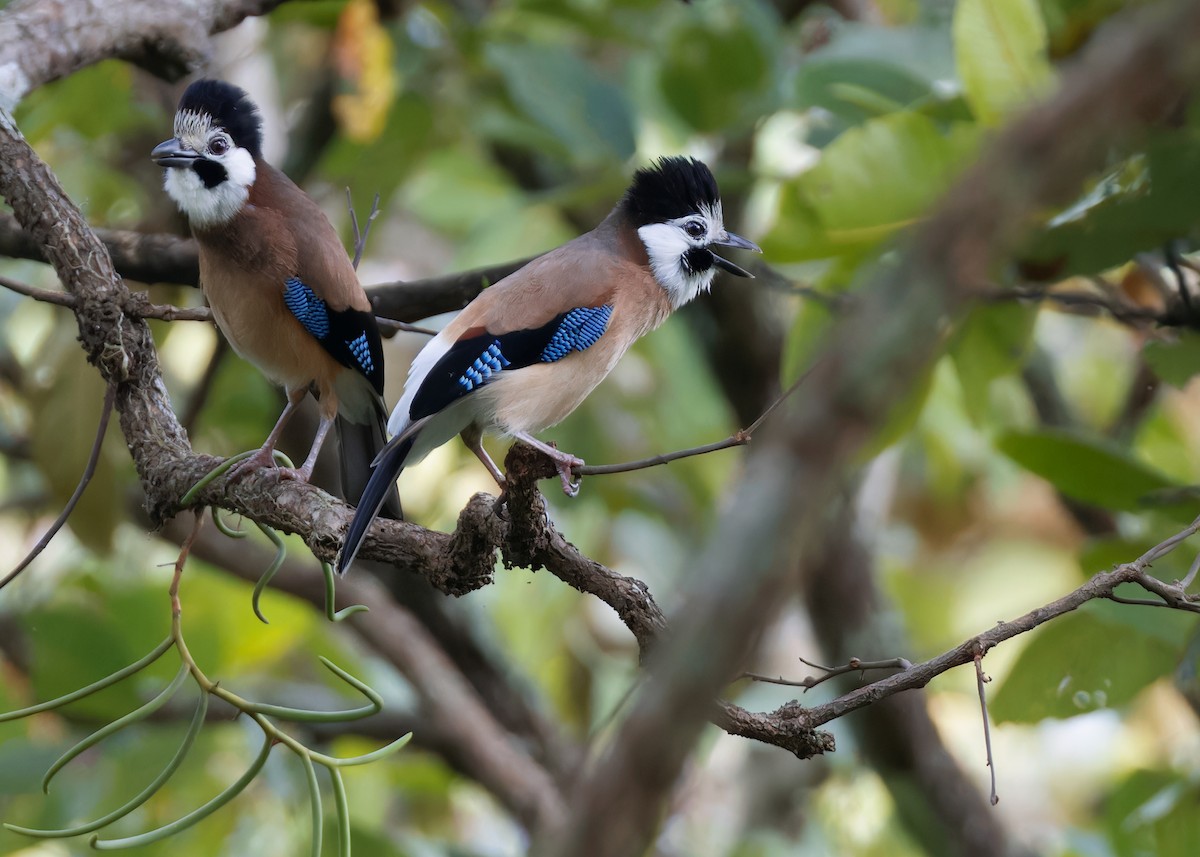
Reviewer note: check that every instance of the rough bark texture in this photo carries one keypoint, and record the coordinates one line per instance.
(44, 40)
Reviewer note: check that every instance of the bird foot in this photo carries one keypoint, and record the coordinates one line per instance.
(258, 460)
(564, 462)
(298, 474)
(565, 465)
(265, 458)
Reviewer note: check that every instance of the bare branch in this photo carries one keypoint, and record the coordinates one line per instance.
(739, 438)
(1119, 309)
(854, 666)
(44, 40)
(1191, 575)
(360, 237)
(137, 306)
(1101, 585)
(403, 326)
(980, 681)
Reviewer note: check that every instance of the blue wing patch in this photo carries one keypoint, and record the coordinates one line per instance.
(481, 371)
(308, 309)
(579, 330)
(360, 350)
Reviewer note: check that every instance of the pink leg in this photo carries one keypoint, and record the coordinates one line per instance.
(306, 469)
(564, 462)
(473, 438)
(265, 456)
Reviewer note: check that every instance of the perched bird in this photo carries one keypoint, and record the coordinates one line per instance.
(279, 281)
(525, 352)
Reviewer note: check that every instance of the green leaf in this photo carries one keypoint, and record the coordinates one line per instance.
(1000, 46)
(990, 343)
(1084, 467)
(711, 75)
(1138, 205)
(825, 84)
(872, 181)
(1153, 812)
(1098, 657)
(567, 97)
(1176, 361)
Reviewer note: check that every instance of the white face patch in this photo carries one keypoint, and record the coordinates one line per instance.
(666, 244)
(209, 206)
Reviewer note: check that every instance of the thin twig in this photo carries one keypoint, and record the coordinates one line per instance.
(1139, 602)
(110, 395)
(1116, 308)
(46, 295)
(1167, 545)
(854, 665)
(981, 680)
(360, 238)
(392, 324)
(1101, 585)
(1191, 575)
(1173, 595)
(136, 308)
(741, 437)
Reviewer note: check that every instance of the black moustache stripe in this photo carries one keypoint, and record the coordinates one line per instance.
(210, 172)
(696, 260)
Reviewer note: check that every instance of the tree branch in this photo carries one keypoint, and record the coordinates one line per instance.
(44, 40)
(157, 257)
(793, 479)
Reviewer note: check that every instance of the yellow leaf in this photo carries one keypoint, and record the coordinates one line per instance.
(362, 56)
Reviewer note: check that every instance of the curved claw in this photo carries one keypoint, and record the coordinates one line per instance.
(566, 474)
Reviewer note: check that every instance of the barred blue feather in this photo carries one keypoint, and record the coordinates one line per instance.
(485, 365)
(360, 349)
(308, 309)
(579, 330)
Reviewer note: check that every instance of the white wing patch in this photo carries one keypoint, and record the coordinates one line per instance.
(428, 357)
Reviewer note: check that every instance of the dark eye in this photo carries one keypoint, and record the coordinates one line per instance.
(695, 229)
(219, 145)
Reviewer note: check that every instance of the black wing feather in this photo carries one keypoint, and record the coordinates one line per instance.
(471, 362)
(350, 336)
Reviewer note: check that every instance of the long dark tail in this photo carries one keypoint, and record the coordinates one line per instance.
(379, 488)
(358, 444)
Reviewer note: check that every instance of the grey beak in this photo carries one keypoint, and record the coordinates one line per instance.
(737, 241)
(172, 153)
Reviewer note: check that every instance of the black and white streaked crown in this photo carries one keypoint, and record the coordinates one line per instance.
(228, 107)
(670, 188)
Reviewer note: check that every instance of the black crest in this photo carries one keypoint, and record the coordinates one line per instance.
(670, 188)
(230, 108)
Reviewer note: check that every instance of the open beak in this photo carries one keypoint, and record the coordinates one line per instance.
(172, 153)
(737, 241)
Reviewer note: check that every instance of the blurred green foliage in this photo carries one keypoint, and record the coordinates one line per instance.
(514, 127)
